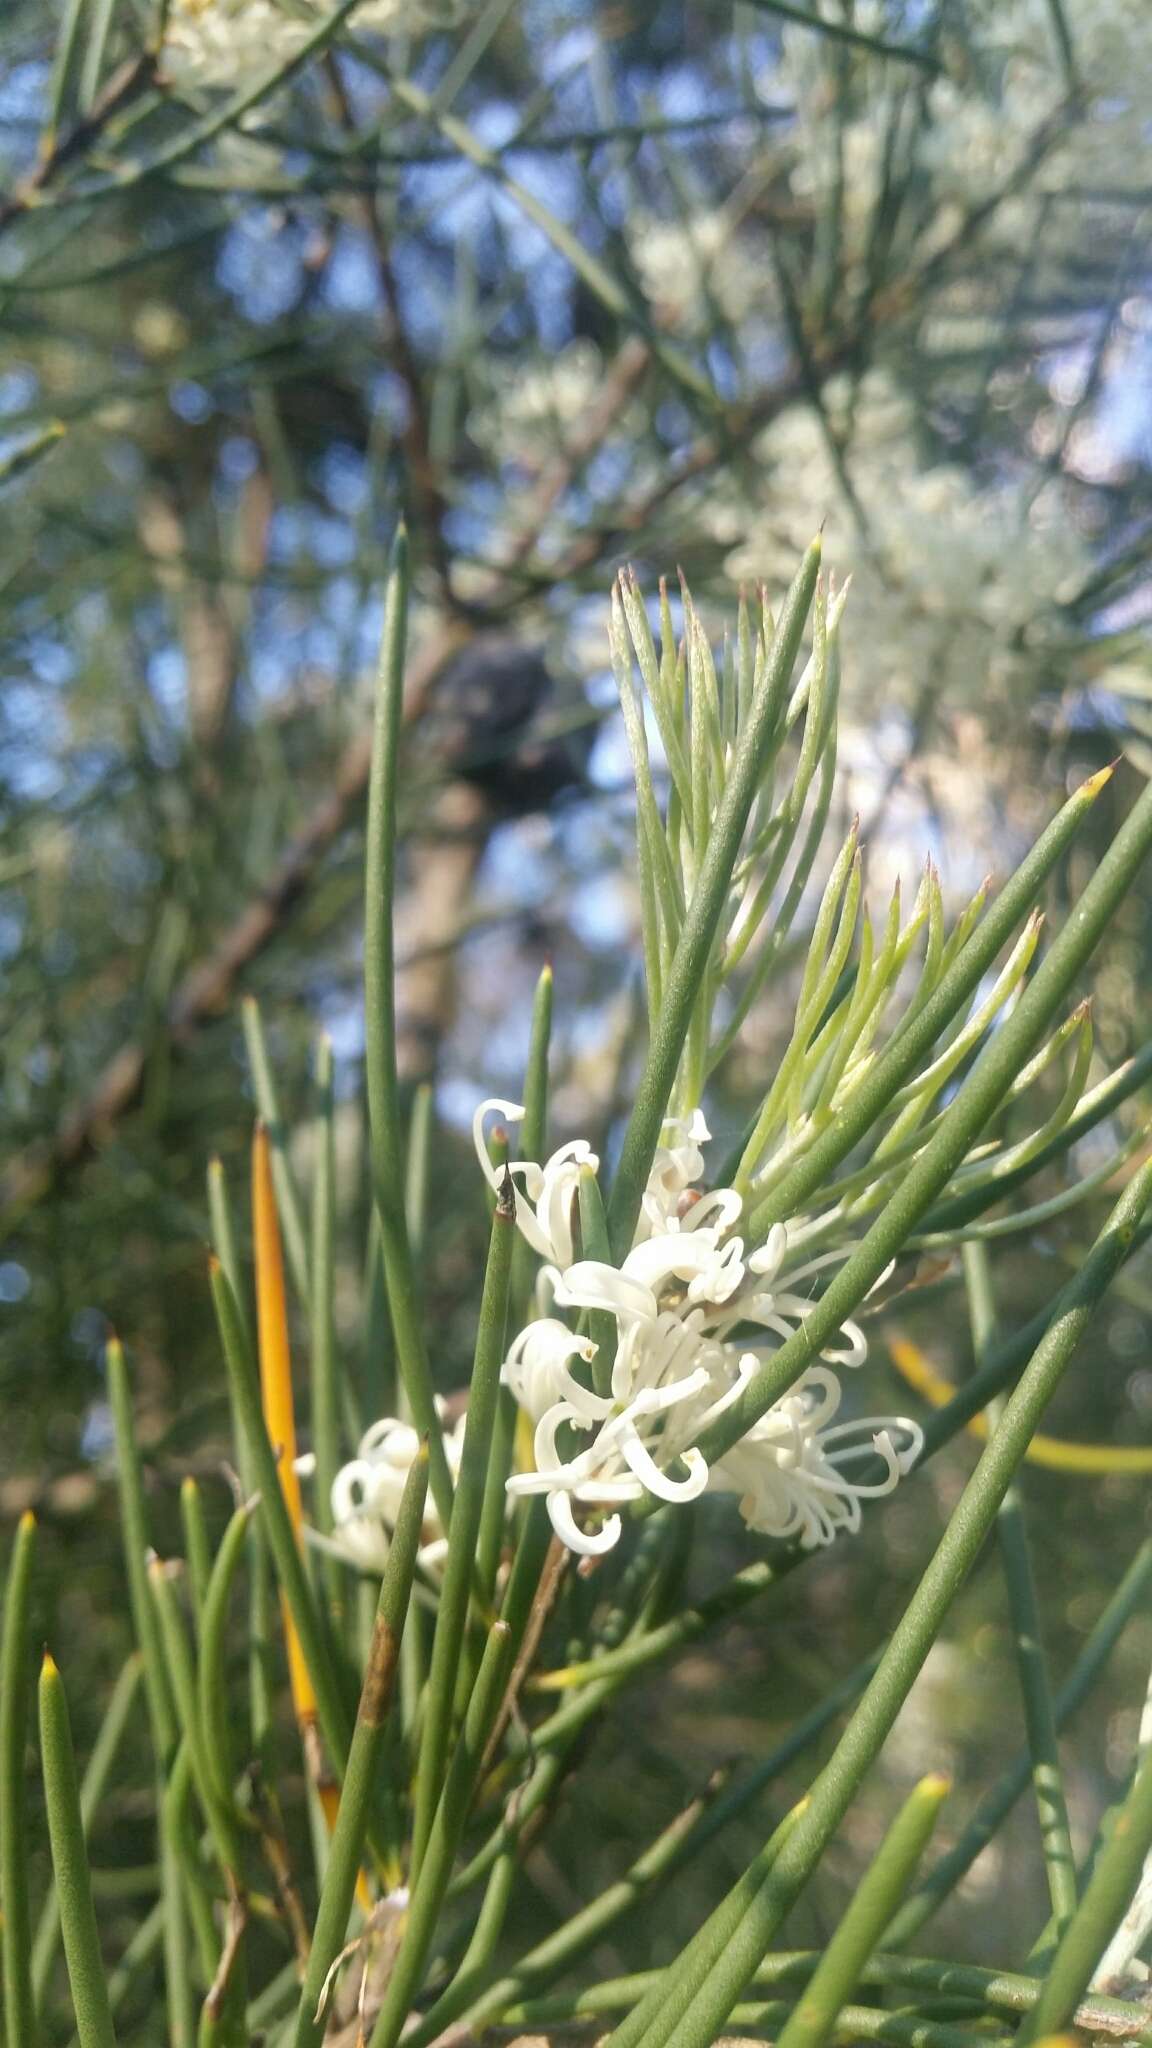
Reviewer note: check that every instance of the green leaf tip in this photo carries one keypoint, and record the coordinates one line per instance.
(1095, 783)
(936, 1786)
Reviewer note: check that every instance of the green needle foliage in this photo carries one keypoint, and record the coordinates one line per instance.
(15, 1678)
(70, 1866)
(488, 1587)
(1121, 1859)
(859, 1933)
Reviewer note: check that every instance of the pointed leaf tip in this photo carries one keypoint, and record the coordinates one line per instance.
(937, 1785)
(1095, 783)
(27, 1522)
(49, 1668)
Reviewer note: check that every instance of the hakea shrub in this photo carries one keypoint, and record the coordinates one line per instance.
(452, 1605)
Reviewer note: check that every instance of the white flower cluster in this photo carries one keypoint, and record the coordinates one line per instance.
(229, 44)
(687, 1286)
(957, 576)
(980, 116)
(366, 1496)
(701, 265)
(528, 416)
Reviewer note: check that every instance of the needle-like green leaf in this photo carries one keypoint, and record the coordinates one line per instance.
(15, 1684)
(384, 1113)
(86, 1972)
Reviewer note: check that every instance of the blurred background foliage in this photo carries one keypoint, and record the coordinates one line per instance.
(570, 283)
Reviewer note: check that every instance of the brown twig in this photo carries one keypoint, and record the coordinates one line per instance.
(705, 453)
(415, 438)
(622, 379)
(551, 1579)
(235, 1922)
(278, 1856)
(122, 87)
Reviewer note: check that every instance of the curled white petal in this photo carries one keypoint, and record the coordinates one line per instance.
(769, 1257)
(882, 1432)
(654, 1400)
(544, 1216)
(791, 1475)
(510, 1113)
(536, 1370)
(678, 1164)
(720, 1207)
(367, 1491)
(852, 1351)
(648, 1472)
(582, 1541)
(353, 1490)
(712, 1271)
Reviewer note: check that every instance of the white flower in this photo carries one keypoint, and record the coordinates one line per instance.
(682, 1301)
(707, 1270)
(699, 263)
(545, 1214)
(959, 577)
(524, 416)
(536, 1369)
(674, 1169)
(789, 1468)
(620, 1464)
(366, 1495)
